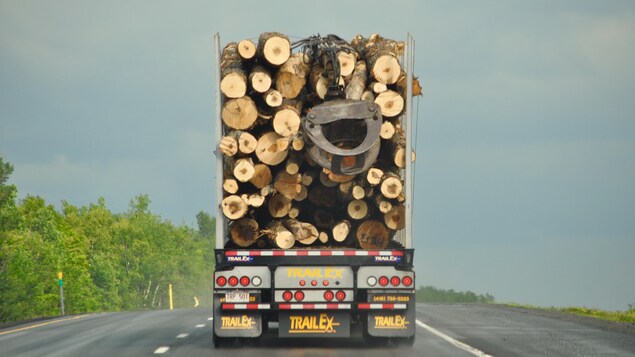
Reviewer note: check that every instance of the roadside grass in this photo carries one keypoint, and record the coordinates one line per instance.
(618, 316)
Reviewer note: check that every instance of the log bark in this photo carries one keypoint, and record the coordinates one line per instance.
(270, 150)
(234, 207)
(357, 83)
(372, 234)
(391, 103)
(240, 113)
(246, 49)
(274, 47)
(368, 96)
(260, 79)
(244, 232)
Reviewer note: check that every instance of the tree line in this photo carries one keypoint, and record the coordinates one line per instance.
(434, 295)
(110, 261)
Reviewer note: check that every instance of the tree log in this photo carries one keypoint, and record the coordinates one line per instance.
(260, 79)
(378, 87)
(255, 200)
(288, 185)
(323, 237)
(261, 177)
(273, 98)
(279, 206)
(395, 219)
(244, 232)
(341, 230)
(246, 143)
(347, 63)
(357, 209)
(230, 186)
(239, 113)
(387, 130)
(234, 207)
(400, 157)
(246, 49)
(391, 103)
(357, 83)
(269, 149)
(374, 176)
(228, 146)
(279, 235)
(372, 235)
(292, 75)
(234, 83)
(358, 192)
(274, 47)
(244, 169)
(286, 121)
(391, 186)
(303, 232)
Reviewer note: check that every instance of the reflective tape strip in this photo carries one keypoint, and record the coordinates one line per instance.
(245, 306)
(314, 306)
(368, 306)
(295, 253)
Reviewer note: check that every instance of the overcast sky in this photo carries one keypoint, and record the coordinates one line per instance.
(525, 176)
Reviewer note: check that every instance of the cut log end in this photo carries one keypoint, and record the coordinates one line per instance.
(233, 207)
(244, 232)
(246, 49)
(372, 234)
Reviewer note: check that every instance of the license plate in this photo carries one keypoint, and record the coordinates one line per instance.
(236, 297)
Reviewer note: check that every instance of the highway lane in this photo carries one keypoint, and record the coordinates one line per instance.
(459, 330)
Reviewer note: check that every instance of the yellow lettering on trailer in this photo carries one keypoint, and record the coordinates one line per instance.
(243, 322)
(391, 322)
(314, 273)
(313, 324)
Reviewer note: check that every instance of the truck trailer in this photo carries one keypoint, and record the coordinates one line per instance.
(329, 288)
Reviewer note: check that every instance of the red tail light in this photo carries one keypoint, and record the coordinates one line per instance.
(407, 281)
(383, 281)
(244, 281)
(394, 281)
(299, 295)
(340, 295)
(287, 296)
(233, 281)
(302, 282)
(221, 281)
(314, 282)
(328, 295)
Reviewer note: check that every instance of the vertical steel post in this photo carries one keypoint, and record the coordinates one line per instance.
(220, 225)
(409, 132)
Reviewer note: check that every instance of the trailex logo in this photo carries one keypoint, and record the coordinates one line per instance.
(313, 324)
(241, 259)
(331, 273)
(391, 322)
(390, 259)
(242, 322)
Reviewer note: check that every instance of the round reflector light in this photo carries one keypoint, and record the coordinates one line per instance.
(328, 295)
(302, 282)
(287, 296)
(383, 281)
(299, 295)
(314, 282)
(394, 281)
(221, 281)
(325, 283)
(407, 281)
(340, 295)
(256, 281)
(233, 281)
(244, 281)
(371, 281)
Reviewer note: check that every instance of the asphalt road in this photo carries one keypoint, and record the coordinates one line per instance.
(442, 330)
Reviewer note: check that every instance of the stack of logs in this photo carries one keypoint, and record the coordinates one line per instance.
(275, 196)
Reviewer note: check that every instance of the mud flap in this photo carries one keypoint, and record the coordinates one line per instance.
(314, 324)
(392, 323)
(236, 323)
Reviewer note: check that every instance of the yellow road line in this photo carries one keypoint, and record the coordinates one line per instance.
(42, 324)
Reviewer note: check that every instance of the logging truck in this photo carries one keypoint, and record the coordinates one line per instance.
(314, 187)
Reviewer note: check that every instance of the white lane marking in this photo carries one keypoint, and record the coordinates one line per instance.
(210, 319)
(161, 350)
(459, 344)
(183, 335)
(200, 325)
